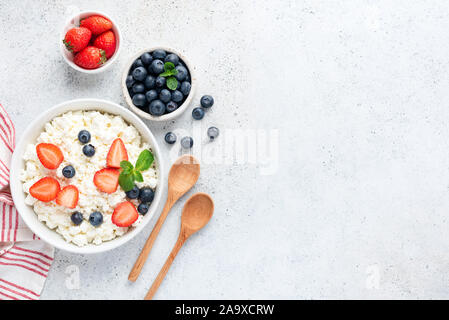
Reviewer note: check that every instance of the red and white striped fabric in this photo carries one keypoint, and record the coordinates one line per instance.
(24, 259)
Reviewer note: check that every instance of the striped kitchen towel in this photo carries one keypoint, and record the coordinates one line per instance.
(24, 259)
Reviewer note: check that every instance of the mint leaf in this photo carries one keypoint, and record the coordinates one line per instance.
(166, 74)
(138, 176)
(126, 181)
(126, 165)
(172, 83)
(144, 161)
(169, 66)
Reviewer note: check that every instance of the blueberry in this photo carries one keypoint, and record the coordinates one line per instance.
(133, 193)
(187, 142)
(68, 172)
(213, 132)
(185, 88)
(129, 81)
(138, 87)
(160, 82)
(207, 101)
(143, 208)
(182, 73)
(177, 96)
(137, 63)
(173, 58)
(157, 66)
(140, 73)
(151, 95)
(170, 138)
(76, 218)
(150, 81)
(157, 108)
(146, 58)
(159, 54)
(146, 195)
(84, 136)
(89, 150)
(96, 218)
(165, 95)
(139, 100)
(171, 106)
(198, 113)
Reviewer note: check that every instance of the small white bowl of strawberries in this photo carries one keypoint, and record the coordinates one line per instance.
(90, 42)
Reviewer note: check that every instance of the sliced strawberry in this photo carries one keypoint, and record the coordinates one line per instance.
(68, 197)
(106, 180)
(46, 189)
(125, 214)
(116, 154)
(49, 155)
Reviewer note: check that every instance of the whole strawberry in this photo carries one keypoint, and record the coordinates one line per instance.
(76, 39)
(90, 58)
(96, 24)
(106, 41)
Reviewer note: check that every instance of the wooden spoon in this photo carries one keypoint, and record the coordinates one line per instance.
(182, 177)
(195, 215)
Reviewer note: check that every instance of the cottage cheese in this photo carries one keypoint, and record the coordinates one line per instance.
(63, 132)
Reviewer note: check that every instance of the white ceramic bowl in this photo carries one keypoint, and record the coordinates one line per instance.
(167, 116)
(30, 135)
(74, 22)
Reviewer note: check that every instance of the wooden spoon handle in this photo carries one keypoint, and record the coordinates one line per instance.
(157, 282)
(138, 265)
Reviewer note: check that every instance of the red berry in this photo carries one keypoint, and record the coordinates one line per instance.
(49, 155)
(124, 215)
(76, 39)
(68, 197)
(90, 58)
(46, 189)
(116, 154)
(106, 41)
(106, 180)
(96, 24)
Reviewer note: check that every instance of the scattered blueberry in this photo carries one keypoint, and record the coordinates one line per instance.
(143, 208)
(96, 218)
(185, 88)
(187, 142)
(146, 195)
(160, 82)
(213, 132)
(170, 138)
(139, 100)
(207, 101)
(173, 58)
(68, 171)
(182, 73)
(165, 95)
(129, 81)
(171, 106)
(157, 66)
(84, 136)
(140, 73)
(137, 63)
(159, 54)
(151, 95)
(133, 193)
(76, 218)
(89, 150)
(198, 113)
(138, 87)
(177, 96)
(157, 108)
(146, 58)
(150, 81)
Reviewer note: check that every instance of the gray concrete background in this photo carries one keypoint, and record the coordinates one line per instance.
(358, 90)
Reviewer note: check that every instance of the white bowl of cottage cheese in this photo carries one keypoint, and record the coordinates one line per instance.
(65, 183)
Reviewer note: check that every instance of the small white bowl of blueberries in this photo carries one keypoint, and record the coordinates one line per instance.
(158, 84)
